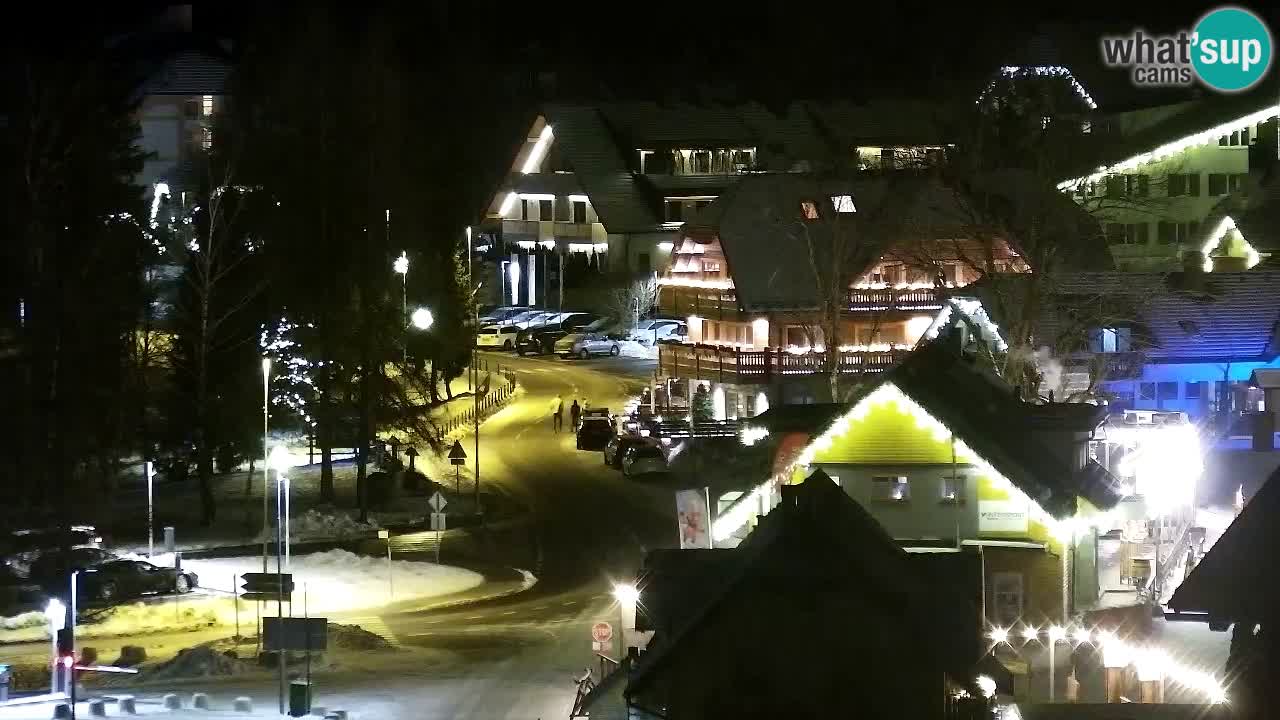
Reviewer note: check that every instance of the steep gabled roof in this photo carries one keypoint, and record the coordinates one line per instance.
(191, 72)
(1230, 317)
(772, 253)
(584, 138)
(814, 518)
(1236, 579)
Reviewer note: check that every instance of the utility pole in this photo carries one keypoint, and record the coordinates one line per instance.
(475, 368)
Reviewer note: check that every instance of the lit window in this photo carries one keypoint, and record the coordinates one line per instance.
(809, 210)
(1192, 391)
(206, 138)
(206, 105)
(953, 489)
(890, 489)
(708, 266)
(843, 203)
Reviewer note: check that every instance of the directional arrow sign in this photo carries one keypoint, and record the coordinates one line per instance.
(457, 456)
(437, 502)
(266, 586)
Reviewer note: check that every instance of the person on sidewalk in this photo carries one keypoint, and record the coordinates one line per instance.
(575, 414)
(557, 413)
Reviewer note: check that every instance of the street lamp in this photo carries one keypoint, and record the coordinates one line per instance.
(56, 613)
(1057, 634)
(422, 319)
(266, 460)
(281, 460)
(401, 265)
(628, 597)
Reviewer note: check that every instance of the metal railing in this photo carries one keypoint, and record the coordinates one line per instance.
(727, 364)
(491, 399)
(868, 300)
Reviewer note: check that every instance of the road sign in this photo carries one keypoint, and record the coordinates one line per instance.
(266, 586)
(602, 632)
(437, 521)
(384, 534)
(457, 456)
(295, 633)
(437, 502)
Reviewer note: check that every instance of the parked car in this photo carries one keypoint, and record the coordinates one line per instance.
(657, 330)
(52, 568)
(499, 314)
(619, 446)
(497, 336)
(123, 579)
(541, 341)
(22, 547)
(595, 429)
(643, 460)
(584, 345)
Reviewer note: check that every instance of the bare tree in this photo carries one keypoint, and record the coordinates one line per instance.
(628, 304)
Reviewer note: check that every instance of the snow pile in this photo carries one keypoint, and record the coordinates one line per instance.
(354, 637)
(201, 661)
(24, 620)
(337, 580)
(633, 349)
(179, 614)
(324, 523)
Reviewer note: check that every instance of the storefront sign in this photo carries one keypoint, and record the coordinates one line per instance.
(1004, 516)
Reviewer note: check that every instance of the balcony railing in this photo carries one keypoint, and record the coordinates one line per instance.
(703, 302)
(867, 300)
(726, 364)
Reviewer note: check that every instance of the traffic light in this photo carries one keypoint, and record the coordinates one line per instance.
(267, 586)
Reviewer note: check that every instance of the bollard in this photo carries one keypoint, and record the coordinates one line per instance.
(61, 711)
(127, 704)
(242, 705)
(97, 708)
(168, 538)
(171, 702)
(200, 701)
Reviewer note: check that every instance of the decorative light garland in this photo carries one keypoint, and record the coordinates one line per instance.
(700, 284)
(751, 434)
(974, 310)
(1203, 137)
(1226, 225)
(1014, 71)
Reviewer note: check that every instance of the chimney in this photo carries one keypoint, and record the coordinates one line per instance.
(1193, 270)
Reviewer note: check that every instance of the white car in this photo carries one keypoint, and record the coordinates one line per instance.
(497, 336)
(648, 332)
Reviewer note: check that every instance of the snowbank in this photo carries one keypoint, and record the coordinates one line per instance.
(178, 613)
(633, 349)
(337, 580)
(324, 523)
(24, 620)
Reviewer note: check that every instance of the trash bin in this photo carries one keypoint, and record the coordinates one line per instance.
(299, 698)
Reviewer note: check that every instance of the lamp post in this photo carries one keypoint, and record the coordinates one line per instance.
(281, 461)
(266, 460)
(628, 596)
(401, 265)
(151, 525)
(56, 613)
(1056, 634)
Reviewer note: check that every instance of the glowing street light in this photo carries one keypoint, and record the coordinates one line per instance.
(1030, 633)
(1081, 635)
(998, 635)
(56, 613)
(401, 264)
(266, 459)
(628, 597)
(281, 460)
(626, 594)
(422, 319)
(1056, 633)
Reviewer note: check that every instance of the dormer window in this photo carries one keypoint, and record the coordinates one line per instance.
(809, 210)
(843, 203)
(1110, 340)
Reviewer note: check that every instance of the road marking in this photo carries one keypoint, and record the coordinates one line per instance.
(473, 617)
(509, 612)
(567, 604)
(429, 632)
(541, 607)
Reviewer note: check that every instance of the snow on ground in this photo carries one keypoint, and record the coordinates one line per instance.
(633, 349)
(324, 523)
(337, 580)
(34, 619)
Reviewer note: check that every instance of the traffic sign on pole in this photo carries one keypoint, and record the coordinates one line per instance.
(438, 521)
(457, 456)
(437, 502)
(267, 586)
(602, 632)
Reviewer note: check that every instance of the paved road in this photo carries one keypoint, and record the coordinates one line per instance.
(517, 655)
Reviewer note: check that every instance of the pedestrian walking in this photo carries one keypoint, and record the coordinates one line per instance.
(557, 413)
(575, 413)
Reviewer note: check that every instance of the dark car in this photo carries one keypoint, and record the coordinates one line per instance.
(122, 579)
(619, 445)
(541, 339)
(595, 430)
(53, 568)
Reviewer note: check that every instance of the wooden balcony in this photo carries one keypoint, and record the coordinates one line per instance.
(895, 299)
(677, 301)
(725, 364)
